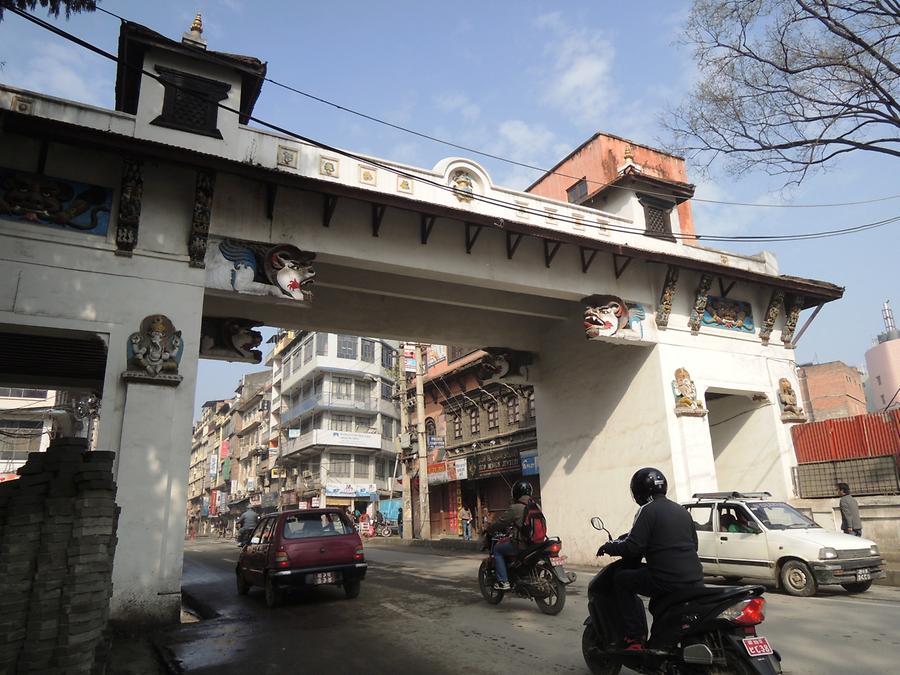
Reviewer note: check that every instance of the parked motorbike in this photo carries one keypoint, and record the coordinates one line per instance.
(709, 630)
(537, 573)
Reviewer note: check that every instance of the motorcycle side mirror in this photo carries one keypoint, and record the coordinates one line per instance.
(597, 524)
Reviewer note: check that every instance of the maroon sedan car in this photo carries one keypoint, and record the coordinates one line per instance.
(301, 549)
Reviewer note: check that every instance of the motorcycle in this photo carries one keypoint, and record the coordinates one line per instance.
(243, 537)
(371, 529)
(537, 573)
(709, 630)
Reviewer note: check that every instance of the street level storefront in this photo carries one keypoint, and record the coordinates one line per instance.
(482, 482)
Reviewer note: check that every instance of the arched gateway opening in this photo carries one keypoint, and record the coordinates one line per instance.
(209, 235)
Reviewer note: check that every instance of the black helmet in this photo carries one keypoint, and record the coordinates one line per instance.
(522, 487)
(646, 483)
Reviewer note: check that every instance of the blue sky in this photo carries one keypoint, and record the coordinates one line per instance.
(525, 80)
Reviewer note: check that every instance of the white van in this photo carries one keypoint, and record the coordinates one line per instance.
(749, 536)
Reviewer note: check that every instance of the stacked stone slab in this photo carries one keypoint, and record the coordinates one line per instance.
(57, 541)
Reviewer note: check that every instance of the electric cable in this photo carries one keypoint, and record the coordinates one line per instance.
(453, 190)
(525, 165)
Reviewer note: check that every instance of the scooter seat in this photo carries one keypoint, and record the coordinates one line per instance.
(662, 603)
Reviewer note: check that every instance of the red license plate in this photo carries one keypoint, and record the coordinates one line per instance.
(558, 560)
(757, 646)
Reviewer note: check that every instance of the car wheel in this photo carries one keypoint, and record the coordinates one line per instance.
(797, 579)
(273, 593)
(242, 586)
(857, 586)
(351, 589)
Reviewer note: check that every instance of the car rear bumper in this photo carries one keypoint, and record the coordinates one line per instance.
(297, 578)
(848, 571)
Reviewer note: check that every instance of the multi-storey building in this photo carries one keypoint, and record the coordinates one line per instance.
(480, 436)
(831, 390)
(203, 466)
(338, 419)
(25, 425)
(247, 464)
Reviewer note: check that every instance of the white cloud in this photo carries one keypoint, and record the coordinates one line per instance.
(63, 71)
(580, 80)
(527, 143)
(453, 102)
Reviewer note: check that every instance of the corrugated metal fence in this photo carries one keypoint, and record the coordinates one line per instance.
(872, 435)
(863, 451)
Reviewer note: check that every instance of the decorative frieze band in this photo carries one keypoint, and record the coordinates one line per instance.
(701, 297)
(666, 297)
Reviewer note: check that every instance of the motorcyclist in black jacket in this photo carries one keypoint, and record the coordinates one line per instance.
(663, 533)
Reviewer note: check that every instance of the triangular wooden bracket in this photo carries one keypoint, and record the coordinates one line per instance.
(426, 223)
(586, 260)
(330, 202)
(550, 249)
(271, 195)
(377, 216)
(620, 263)
(512, 243)
(725, 290)
(472, 232)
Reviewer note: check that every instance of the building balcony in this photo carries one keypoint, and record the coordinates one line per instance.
(330, 401)
(348, 439)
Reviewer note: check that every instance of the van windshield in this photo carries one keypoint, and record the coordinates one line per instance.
(781, 516)
(305, 525)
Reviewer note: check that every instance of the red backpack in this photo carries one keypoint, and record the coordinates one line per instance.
(534, 527)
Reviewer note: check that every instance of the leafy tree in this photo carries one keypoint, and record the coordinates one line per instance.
(787, 86)
(53, 6)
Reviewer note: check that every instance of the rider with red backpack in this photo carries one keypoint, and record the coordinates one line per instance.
(526, 524)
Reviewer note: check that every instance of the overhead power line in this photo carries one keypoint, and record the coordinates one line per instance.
(516, 208)
(533, 167)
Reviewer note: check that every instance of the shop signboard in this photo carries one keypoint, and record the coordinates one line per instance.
(204, 508)
(436, 354)
(255, 500)
(409, 359)
(348, 490)
(213, 495)
(486, 464)
(213, 465)
(303, 505)
(223, 449)
(314, 502)
(435, 442)
(529, 462)
(356, 439)
(437, 473)
(457, 469)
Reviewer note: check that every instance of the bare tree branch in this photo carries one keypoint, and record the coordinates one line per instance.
(789, 85)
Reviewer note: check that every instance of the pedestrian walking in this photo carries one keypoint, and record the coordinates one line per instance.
(466, 517)
(850, 521)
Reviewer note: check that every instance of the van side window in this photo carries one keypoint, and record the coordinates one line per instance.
(701, 514)
(266, 534)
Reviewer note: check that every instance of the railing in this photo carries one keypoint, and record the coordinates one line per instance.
(331, 400)
(867, 475)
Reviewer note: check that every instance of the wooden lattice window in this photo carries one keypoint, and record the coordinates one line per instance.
(190, 102)
(658, 217)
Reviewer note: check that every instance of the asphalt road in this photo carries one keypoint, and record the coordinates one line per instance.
(422, 613)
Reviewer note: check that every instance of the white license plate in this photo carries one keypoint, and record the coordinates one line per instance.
(863, 575)
(558, 560)
(757, 646)
(321, 578)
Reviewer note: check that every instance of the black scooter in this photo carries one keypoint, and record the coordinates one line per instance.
(538, 573)
(709, 630)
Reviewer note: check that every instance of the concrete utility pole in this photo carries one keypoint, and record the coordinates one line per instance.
(424, 506)
(404, 426)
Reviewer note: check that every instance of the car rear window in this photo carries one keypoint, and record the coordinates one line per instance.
(305, 525)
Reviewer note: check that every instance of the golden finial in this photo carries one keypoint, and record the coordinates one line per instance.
(629, 153)
(197, 25)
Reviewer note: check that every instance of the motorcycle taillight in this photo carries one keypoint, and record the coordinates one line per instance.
(746, 612)
(555, 547)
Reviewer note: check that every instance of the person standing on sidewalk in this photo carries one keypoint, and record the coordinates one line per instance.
(466, 517)
(850, 521)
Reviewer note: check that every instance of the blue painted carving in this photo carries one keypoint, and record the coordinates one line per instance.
(46, 200)
(728, 314)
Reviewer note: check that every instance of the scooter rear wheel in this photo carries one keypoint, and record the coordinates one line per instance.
(486, 579)
(598, 662)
